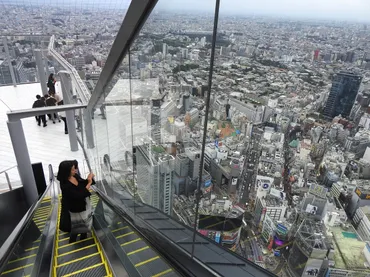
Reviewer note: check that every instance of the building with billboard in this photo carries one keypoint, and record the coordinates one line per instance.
(273, 206)
(222, 229)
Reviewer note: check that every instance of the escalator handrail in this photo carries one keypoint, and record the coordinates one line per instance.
(119, 211)
(14, 238)
(130, 221)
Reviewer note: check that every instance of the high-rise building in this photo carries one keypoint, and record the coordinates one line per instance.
(155, 120)
(5, 74)
(316, 55)
(185, 53)
(342, 94)
(78, 62)
(194, 164)
(165, 50)
(155, 174)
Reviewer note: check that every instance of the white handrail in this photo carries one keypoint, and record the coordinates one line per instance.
(82, 91)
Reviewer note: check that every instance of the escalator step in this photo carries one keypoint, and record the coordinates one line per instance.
(63, 235)
(97, 270)
(130, 236)
(134, 246)
(63, 241)
(152, 267)
(121, 230)
(20, 271)
(75, 265)
(88, 250)
(166, 273)
(76, 245)
(24, 254)
(20, 262)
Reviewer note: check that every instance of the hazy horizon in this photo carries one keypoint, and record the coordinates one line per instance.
(352, 10)
(347, 10)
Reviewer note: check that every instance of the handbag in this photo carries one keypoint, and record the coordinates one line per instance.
(82, 222)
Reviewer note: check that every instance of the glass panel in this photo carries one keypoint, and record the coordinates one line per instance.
(23, 67)
(23, 258)
(10, 177)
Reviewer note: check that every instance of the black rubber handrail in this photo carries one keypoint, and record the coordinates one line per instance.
(15, 237)
(119, 210)
(183, 270)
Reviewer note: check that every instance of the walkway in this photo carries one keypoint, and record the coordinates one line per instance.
(47, 145)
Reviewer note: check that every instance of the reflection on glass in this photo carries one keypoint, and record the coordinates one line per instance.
(275, 184)
(22, 260)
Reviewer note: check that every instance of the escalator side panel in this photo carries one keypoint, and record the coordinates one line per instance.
(132, 247)
(23, 259)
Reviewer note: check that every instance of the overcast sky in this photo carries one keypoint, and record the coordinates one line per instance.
(358, 10)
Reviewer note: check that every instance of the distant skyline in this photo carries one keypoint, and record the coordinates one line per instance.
(353, 10)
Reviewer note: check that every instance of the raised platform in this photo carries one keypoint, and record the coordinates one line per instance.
(47, 145)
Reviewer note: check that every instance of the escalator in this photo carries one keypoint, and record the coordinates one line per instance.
(146, 260)
(23, 258)
(83, 258)
(80, 258)
(120, 244)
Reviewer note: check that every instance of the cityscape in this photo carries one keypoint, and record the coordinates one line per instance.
(271, 162)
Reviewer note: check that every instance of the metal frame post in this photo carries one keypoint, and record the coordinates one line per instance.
(88, 128)
(8, 180)
(45, 58)
(133, 21)
(11, 69)
(210, 76)
(66, 85)
(41, 71)
(22, 156)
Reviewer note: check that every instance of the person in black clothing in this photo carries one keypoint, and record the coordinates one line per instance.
(74, 193)
(63, 116)
(51, 83)
(40, 103)
(38, 97)
(50, 102)
(65, 218)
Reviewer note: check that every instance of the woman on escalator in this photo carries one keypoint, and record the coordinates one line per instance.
(75, 200)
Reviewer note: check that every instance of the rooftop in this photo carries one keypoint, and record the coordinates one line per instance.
(348, 249)
(47, 145)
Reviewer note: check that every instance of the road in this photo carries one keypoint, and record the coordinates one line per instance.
(249, 174)
(279, 266)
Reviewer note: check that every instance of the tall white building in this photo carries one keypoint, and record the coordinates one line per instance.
(185, 53)
(165, 50)
(362, 223)
(155, 170)
(203, 41)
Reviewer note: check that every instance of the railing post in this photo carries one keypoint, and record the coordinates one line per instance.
(41, 71)
(66, 85)
(23, 160)
(11, 69)
(88, 128)
(8, 180)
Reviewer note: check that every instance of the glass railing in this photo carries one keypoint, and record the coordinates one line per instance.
(22, 253)
(9, 179)
(17, 68)
(217, 133)
(152, 154)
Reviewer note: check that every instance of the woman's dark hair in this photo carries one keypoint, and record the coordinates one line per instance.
(75, 163)
(64, 171)
(51, 77)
